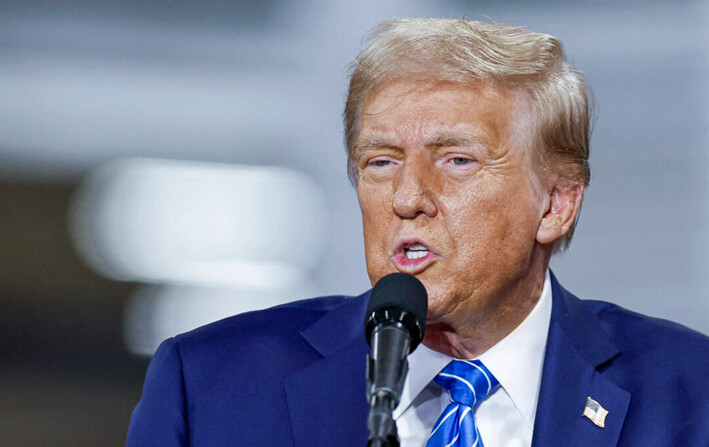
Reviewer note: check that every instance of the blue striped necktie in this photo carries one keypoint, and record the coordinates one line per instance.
(467, 382)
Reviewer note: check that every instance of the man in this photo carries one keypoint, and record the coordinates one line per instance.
(468, 145)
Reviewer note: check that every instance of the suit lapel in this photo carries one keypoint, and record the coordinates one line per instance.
(577, 351)
(327, 403)
(326, 400)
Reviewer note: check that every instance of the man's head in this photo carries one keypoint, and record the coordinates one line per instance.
(468, 143)
(472, 52)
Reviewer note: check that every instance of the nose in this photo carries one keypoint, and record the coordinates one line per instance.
(413, 195)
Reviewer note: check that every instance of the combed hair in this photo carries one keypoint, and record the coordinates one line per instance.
(506, 56)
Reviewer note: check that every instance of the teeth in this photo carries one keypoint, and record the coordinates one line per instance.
(416, 251)
(415, 254)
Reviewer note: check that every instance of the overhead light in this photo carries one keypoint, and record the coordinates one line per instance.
(155, 220)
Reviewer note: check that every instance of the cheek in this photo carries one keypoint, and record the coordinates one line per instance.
(470, 214)
(373, 206)
(487, 221)
(375, 224)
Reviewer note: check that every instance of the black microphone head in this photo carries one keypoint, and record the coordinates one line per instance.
(398, 297)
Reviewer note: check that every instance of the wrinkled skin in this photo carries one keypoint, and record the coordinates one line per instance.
(446, 165)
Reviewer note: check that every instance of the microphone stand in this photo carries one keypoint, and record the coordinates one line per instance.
(382, 428)
(385, 380)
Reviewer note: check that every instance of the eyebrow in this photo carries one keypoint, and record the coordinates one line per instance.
(454, 139)
(377, 140)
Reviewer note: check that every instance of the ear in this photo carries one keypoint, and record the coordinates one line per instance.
(562, 206)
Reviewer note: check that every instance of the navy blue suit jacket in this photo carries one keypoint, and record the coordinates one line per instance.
(294, 375)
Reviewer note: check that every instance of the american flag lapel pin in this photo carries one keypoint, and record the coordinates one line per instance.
(595, 412)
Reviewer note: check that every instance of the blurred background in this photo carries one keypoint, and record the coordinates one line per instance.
(167, 163)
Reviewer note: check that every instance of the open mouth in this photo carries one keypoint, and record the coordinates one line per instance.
(412, 255)
(416, 251)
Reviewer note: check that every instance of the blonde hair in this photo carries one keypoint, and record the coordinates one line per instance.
(507, 56)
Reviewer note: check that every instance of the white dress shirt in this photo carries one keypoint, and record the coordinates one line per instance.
(506, 417)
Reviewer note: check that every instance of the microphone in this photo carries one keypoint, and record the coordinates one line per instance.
(394, 326)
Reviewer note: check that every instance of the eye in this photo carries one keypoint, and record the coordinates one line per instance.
(380, 162)
(460, 160)
(459, 163)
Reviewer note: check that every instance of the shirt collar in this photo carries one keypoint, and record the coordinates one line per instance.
(516, 361)
(424, 365)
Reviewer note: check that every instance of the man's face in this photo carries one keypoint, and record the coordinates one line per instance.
(447, 193)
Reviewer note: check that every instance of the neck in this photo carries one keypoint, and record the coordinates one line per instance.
(473, 329)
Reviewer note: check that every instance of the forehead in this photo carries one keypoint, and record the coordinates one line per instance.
(412, 110)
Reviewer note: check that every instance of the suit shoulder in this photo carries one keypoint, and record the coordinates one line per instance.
(636, 334)
(263, 343)
(279, 321)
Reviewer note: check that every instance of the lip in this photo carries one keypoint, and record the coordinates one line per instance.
(411, 266)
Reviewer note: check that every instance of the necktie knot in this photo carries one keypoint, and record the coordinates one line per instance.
(467, 382)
